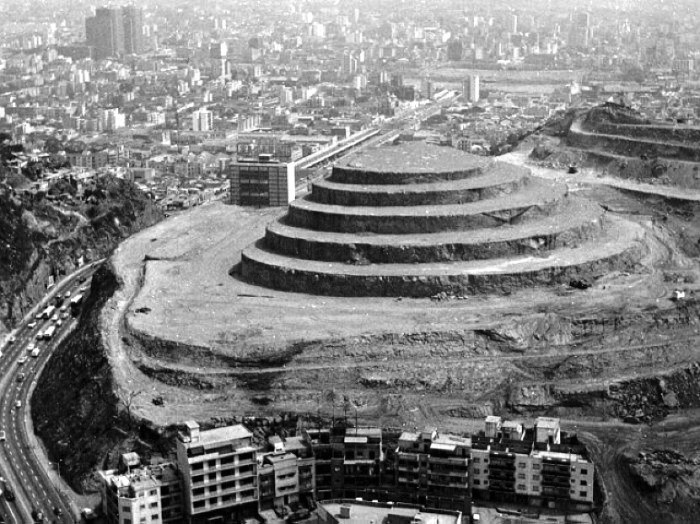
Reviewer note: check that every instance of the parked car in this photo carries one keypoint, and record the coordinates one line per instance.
(2, 436)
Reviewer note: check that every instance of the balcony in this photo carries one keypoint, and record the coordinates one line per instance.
(453, 461)
(456, 472)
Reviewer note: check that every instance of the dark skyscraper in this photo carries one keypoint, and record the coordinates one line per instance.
(133, 29)
(114, 31)
(105, 32)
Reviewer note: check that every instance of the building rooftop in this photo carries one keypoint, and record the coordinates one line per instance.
(372, 512)
(219, 435)
(547, 422)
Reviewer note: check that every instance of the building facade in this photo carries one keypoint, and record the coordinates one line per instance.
(148, 495)
(219, 471)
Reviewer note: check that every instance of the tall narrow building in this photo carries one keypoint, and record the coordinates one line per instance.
(105, 32)
(133, 29)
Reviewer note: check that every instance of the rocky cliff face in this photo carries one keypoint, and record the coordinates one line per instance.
(45, 236)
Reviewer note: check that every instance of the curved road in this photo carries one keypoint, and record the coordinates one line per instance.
(19, 462)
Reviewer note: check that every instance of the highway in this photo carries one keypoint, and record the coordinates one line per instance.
(19, 465)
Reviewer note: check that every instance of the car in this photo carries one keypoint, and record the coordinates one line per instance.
(12, 339)
(64, 315)
(67, 294)
(54, 318)
(2, 436)
(31, 325)
(18, 404)
(31, 347)
(59, 323)
(20, 377)
(21, 360)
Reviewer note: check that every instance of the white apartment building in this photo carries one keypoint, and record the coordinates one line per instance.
(219, 469)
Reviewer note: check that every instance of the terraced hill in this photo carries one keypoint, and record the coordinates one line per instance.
(417, 220)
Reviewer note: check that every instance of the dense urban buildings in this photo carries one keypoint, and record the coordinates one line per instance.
(221, 473)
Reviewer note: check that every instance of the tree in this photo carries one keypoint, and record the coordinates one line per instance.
(127, 400)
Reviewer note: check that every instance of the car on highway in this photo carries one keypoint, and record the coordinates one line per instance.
(20, 377)
(31, 347)
(31, 325)
(2, 436)
(12, 339)
(55, 317)
(18, 404)
(21, 360)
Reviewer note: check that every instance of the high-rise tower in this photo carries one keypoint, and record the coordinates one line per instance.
(132, 17)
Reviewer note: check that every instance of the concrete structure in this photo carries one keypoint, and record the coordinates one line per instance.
(261, 182)
(530, 466)
(132, 17)
(150, 495)
(105, 32)
(219, 470)
(361, 512)
(286, 475)
(202, 120)
(416, 220)
(433, 469)
(470, 89)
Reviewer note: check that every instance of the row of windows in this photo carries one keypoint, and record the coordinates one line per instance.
(127, 509)
(155, 516)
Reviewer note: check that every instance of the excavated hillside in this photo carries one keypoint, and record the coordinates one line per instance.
(45, 236)
(617, 141)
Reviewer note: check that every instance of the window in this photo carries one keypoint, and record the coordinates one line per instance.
(535, 488)
(476, 471)
(535, 466)
(584, 472)
(126, 509)
(521, 464)
(477, 482)
(198, 504)
(535, 477)
(521, 486)
(154, 504)
(583, 493)
(127, 521)
(211, 476)
(153, 492)
(584, 483)
(476, 460)
(155, 516)
(521, 476)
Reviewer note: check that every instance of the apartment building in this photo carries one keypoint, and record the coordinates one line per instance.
(530, 466)
(142, 495)
(433, 469)
(286, 475)
(219, 471)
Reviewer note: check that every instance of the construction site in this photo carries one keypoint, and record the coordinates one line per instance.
(419, 285)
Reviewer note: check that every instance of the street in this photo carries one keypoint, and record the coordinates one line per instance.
(19, 464)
